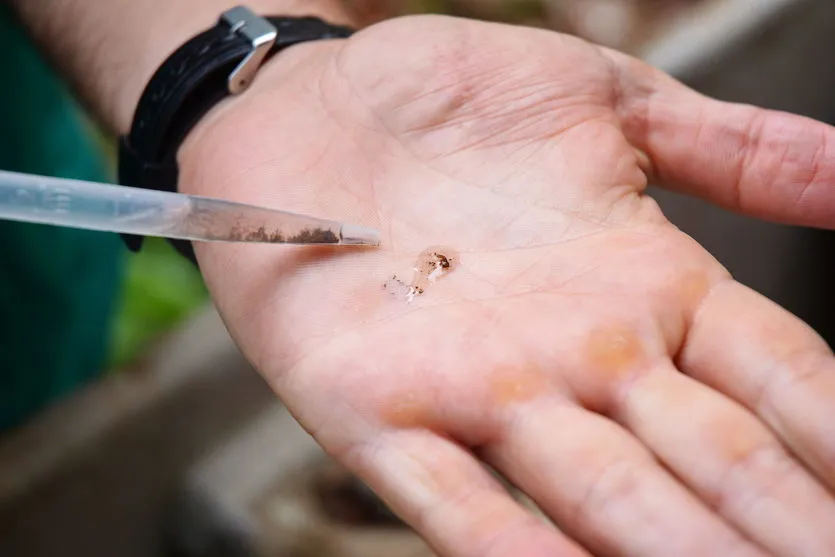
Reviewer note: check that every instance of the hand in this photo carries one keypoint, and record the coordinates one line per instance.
(577, 342)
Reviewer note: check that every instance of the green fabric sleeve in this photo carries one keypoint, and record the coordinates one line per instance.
(58, 286)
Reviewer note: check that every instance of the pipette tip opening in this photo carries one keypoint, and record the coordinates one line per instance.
(357, 235)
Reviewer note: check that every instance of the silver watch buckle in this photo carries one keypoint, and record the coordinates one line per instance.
(259, 33)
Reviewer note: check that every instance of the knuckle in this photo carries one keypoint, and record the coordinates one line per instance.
(511, 535)
(487, 516)
(802, 159)
(797, 370)
(617, 483)
(749, 148)
(755, 476)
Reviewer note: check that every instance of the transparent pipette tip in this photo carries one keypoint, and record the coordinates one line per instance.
(356, 235)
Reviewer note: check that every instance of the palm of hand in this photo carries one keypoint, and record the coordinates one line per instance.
(570, 298)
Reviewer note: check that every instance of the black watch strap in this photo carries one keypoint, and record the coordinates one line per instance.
(218, 62)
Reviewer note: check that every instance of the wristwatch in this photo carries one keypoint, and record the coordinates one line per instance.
(219, 62)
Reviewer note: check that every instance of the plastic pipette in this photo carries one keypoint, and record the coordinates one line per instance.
(111, 208)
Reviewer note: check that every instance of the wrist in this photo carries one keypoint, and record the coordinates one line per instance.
(109, 50)
(220, 63)
(169, 33)
(286, 76)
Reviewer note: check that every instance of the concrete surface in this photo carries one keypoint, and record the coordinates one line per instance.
(94, 475)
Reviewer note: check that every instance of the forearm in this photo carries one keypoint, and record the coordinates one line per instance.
(109, 49)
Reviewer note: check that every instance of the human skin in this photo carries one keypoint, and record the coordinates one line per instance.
(582, 346)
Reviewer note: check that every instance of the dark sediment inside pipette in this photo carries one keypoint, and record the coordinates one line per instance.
(211, 219)
(313, 235)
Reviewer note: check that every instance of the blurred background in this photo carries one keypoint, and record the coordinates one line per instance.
(129, 423)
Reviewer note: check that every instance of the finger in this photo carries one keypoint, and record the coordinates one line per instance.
(604, 489)
(443, 492)
(748, 347)
(763, 163)
(741, 468)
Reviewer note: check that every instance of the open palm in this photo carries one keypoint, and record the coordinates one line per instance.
(530, 307)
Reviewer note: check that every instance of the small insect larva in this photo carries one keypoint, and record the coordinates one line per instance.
(432, 264)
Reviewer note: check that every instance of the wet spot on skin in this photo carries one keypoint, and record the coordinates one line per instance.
(407, 412)
(740, 446)
(691, 289)
(613, 350)
(432, 264)
(508, 386)
(734, 442)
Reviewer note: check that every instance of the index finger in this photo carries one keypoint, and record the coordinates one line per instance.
(754, 351)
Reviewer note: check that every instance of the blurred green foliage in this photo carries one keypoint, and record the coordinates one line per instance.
(161, 289)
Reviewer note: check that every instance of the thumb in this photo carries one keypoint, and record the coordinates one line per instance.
(761, 163)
